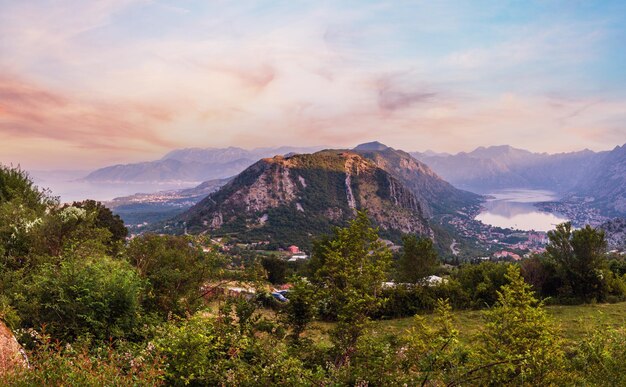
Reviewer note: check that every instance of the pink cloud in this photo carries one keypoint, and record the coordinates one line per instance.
(30, 110)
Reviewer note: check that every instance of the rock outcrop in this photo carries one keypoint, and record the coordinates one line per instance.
(11, 353)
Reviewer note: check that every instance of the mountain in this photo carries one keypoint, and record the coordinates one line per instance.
(604, 183)
(189, 165)
(436, 196)
(141, 209)
(290, 199)
(498, 167)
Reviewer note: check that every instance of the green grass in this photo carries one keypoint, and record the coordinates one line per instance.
(573, 321)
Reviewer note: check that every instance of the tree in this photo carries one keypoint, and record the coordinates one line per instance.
(433, 351)
(99, 296)
(276, 269)
(105, 219)
(520, 345)
(22, 206)
(16, 184)
(300, 310)
(351, 268)
(579, 255)
(482, 281)
(418, 260)
(175, 269)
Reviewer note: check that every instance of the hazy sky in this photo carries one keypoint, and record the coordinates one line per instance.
(89, 83)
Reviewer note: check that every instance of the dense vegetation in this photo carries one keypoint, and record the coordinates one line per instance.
(91, 308)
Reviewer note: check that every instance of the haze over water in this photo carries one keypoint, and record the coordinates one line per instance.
(514, 208)
(69, 186)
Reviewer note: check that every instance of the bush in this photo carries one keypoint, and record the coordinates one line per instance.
(99, 297)
(175, 269)
(208, 351)
(481, 282)
(57, 365)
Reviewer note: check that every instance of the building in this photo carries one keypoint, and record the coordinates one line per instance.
(298, 256)
(293, 249)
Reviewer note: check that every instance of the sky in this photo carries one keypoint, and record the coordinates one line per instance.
(85, 84)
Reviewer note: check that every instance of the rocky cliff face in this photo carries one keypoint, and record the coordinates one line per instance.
(603, 186)
(292, 198)
(435, 195)
(11, 353)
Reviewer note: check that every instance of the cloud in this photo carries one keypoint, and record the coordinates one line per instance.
(139, 77)
(395, 94)
(28, 110)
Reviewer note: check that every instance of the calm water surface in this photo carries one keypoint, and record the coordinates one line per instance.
(514, 208)
(69, 186)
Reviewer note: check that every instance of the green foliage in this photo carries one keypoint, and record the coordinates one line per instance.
(599, 359)
(104, 218)
(520, 344)
(481, 282)
(175, 270)
(350, 271)
(433, 353)
(408, 300)
(99, 297)
(579, 256)
(15, 184)
(52, 364)
(276, 269)
(542, 274)
(300, 310)
(418, 260)
(204, 350)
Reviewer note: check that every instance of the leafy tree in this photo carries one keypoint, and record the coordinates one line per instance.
(418, 260)
(433, 353)
(520, 344)
(276, 269)
(15, 184)
(22, 206)
(579, 255)
(175, 269)
(351, 269)
(104, 218)
(100, 297)
(481, 282)
(208, 351)
(300, 310)
(542, 273)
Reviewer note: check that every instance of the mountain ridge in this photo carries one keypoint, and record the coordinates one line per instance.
(189, 165)
(288, 199)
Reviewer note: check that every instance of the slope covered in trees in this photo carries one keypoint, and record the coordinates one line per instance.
(91, 308)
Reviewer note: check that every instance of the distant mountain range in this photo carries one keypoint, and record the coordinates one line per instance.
(499, 167)
(584, 178)
(291, 198)
(190, 165)
(596, 178)
(603, 184)
(146, 208)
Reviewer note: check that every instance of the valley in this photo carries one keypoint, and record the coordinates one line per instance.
(506, 222)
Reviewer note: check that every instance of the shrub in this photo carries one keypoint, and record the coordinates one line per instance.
(99, 297)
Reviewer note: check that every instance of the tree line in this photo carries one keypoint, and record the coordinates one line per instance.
(92, 308)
